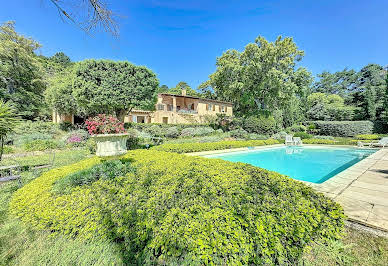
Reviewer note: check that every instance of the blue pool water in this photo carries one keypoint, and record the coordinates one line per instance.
(313, 164)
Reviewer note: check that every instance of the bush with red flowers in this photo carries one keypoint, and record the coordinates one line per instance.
(104, 124)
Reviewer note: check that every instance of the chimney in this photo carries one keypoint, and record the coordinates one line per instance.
(184, 92)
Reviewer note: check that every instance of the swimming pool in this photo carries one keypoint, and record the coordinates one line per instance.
(309, 163)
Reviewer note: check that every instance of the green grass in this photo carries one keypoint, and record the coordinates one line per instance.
(19, 245)
(357, 248)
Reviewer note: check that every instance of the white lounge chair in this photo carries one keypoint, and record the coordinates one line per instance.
(297, 141)
(289, 140)
(381, 143)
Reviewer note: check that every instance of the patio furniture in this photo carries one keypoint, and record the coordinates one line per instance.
(298, 141)
(10, 172)
(289, 140)
(381, 143)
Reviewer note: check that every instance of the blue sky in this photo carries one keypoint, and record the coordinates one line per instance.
(180, 40)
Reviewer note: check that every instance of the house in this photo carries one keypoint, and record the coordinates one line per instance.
(172, 109)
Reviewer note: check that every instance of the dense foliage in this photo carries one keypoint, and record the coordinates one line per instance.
(21, 75)
(262, 77)
(107, 170)
(364, 90)
(8, 123)
(329, 107)
(178, 209)
(344, 128)
(103, 86)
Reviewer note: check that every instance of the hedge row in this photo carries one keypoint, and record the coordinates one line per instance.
(143, 126)
(343, 128)
(181, 210)
(221, 145)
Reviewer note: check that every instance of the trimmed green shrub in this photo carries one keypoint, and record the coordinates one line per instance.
(319, 141)
(196, 147)
(66, 126)
(43, 144)
(30, 127)
(155, 131)
(186, 210)
(280, 135)
(238, 133)
(324, 137)
(105, 170)
(368, 136)
(296, 128)
(254, 136)
(303, 135)
(91, 145)
(197, 131)
(260, 124)
(344, 128)
(172, 132)
(20, 140)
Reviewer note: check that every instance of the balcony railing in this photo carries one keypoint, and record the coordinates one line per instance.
(186, 111)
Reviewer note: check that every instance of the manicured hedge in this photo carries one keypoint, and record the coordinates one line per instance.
(320, 141)
(368, 137)
(343, 128)
(181, 210)
(221, 145)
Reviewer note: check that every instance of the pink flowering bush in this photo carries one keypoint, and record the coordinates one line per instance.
(104, 124)
(74, 139)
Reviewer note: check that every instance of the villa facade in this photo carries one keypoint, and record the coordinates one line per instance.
(172, 109)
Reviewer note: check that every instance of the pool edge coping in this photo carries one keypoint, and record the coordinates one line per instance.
(334, 186)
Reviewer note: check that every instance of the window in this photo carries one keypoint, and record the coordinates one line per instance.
(161, 107)
(209, 107)
(223, 109)
(165, 120)
(214, 107)
(169, 107)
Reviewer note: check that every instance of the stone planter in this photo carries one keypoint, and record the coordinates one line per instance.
(111, 144)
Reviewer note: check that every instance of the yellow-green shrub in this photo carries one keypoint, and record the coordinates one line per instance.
(179, 209)
(319, 141)
(221, 145)
(367, 137)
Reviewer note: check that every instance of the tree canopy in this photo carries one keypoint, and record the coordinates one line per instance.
(103, 86)
(364, 89)
(21, 75)
(258, 78)
(178, 89)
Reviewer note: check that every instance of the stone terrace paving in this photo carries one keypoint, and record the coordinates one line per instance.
(361, 189)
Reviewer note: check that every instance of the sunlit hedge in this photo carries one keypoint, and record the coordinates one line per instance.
(177, 209)
(221, 145)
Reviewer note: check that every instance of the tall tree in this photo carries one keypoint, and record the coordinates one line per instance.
(183, 86)
(341, 82)
(21, 74)
(370, 91)
(61, 59)
(258, 78)
(59, 93)
(103, 86)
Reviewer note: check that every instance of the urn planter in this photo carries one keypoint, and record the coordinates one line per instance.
(111, 144)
